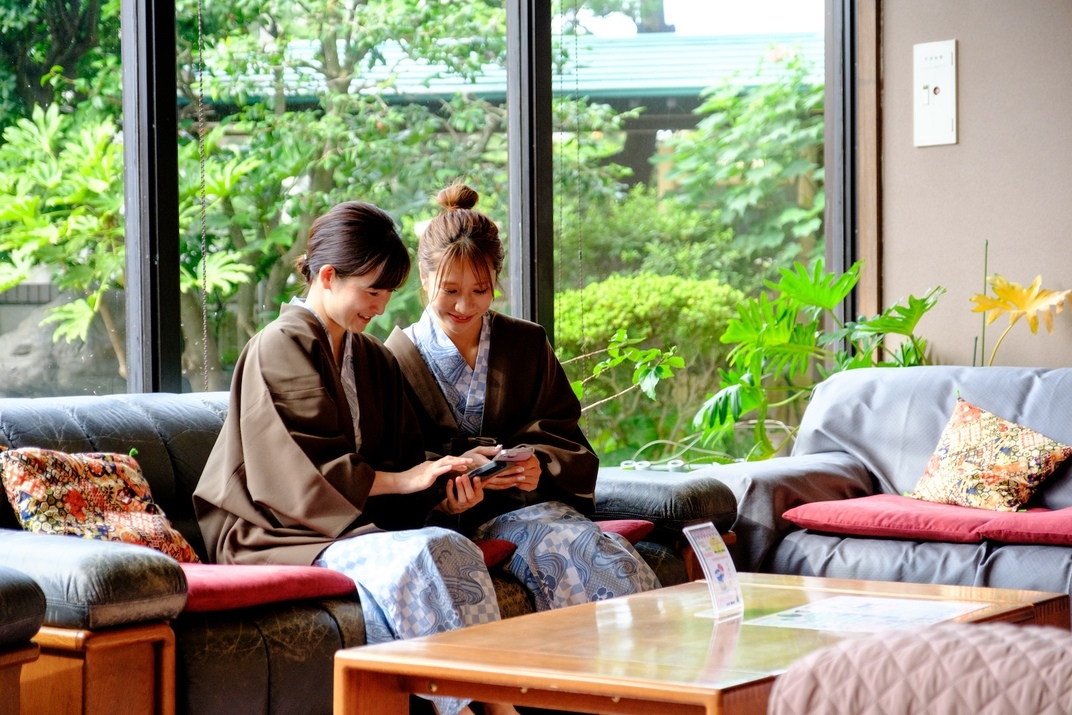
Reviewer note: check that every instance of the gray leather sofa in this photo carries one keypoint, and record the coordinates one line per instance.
(872, 431)
(269, 659)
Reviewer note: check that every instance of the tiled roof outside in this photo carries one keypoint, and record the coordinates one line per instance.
(645, 65)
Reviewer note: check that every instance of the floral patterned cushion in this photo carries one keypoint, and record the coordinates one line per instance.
(987, 462)
(92, 495)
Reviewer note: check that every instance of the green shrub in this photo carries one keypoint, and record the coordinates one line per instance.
(664, 310)
(641, 233)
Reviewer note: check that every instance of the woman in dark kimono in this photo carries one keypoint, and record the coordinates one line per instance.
(320, 459)
(477, 377)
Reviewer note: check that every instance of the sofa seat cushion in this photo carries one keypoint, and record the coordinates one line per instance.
(221, 587)
(22, 607)
(632, 529)
(894, 517)
(1034, 526)
(96, 584)
(93, 495)
(495, 551)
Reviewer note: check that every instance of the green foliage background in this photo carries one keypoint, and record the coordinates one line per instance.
(668, 310)
(743, 196)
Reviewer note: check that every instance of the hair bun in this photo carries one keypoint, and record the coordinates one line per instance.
(457, 196)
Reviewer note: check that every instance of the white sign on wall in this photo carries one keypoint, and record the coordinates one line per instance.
(934, 93)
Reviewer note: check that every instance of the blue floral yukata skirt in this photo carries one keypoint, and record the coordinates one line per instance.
(563, 558)
(416, 583)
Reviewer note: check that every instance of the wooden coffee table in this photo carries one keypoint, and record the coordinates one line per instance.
(640, 654)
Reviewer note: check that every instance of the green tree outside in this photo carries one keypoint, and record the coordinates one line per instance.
(303, 110)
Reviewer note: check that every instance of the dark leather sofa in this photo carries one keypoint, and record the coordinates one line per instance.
(275, 658)
(22, 611)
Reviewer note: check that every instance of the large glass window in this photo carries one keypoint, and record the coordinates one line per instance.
(62, 324)
(687, 172)
(309, 104)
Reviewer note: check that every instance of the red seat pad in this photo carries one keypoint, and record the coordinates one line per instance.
(632, 529)
(221, 587)
(893, 517)
(495, 550)
(1034, 526)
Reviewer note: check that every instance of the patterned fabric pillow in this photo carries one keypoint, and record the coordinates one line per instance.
(987, 462)
(92, 495)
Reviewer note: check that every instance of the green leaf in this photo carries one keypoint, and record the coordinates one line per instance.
(578, 389)
(647, 379)
(224, 272)
(901, 319)
(74, 318)
(738, 395)
(820, 289)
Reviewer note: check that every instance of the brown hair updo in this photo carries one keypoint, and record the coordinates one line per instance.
(461, 234)
(356, 238)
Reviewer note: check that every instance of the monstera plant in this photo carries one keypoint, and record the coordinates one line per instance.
(789, 339)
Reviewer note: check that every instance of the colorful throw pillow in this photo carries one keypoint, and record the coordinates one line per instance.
(987, 462)
(92, 495)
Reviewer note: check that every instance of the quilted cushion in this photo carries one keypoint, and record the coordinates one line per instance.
(948, 669)
(894, 517)
(93, 495)
(987, 462)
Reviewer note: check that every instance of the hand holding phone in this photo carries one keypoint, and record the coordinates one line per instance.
(502, 460)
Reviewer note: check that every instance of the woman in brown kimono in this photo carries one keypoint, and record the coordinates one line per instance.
(320, 459)
(477, 377)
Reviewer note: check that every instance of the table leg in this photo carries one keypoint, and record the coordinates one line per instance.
(359, 692)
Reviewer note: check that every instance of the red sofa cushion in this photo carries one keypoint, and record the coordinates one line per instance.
(1034, 526)
(632, 529)
(495, 550)
(221, 587)
(895, 517)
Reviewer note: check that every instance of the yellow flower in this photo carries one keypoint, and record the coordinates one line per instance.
(1019, 302)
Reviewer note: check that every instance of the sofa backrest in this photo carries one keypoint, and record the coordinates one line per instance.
(173, 435)
(891, 418)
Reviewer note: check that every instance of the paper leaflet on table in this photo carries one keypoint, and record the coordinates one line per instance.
(719, 571)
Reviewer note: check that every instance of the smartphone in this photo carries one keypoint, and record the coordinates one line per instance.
(514, 454)
(489, 468)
